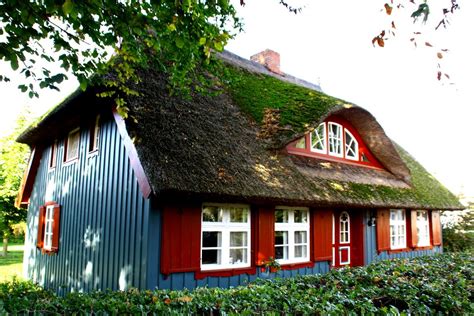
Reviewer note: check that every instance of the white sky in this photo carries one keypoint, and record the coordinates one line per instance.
(330, 43)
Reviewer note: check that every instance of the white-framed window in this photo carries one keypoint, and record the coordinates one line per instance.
(344, 228)
(352, 146)
(52, 157)
(318, 139)
(398, 229)
(291, 234)
(48, 227)
(225, 238)
(94, 135)
(423, 228)
(335, 139)
(72, 145)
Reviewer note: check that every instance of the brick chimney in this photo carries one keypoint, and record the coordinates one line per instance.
(270, 59)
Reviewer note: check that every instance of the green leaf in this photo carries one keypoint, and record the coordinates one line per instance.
(179, 42)
(202, 41)
(23, 88)
(14, 63)
(68, 6)
(83, 84)
(218, 46)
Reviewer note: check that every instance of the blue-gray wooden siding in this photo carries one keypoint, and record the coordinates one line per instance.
(370, 248)
(103, 231)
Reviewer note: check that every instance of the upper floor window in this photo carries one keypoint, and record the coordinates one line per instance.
(422, 228)
(94, 135)
(225, 240)
(334, 139)
(398, 230)
(72, 145)
(53, 154)
(291, 235)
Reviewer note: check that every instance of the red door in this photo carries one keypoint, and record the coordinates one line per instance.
(347, 239)
(341, 239)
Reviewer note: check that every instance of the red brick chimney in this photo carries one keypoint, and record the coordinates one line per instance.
(270, 59)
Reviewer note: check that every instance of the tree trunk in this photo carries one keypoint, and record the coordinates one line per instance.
(5, 247)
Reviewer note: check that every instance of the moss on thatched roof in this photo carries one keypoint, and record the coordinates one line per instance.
(211, 147)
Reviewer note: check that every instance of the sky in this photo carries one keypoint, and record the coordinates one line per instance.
(329, 43)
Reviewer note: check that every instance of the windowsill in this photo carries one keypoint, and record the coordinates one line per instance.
(51, 169)
(398, 250)
(93, 153)
(48, 251)
(70, 162)
(198, 275)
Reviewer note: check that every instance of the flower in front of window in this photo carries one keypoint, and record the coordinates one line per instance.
(272, 264)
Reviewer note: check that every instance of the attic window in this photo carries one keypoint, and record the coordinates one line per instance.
(334, 139)
(94, 136)
(52, 156)
(72, 146)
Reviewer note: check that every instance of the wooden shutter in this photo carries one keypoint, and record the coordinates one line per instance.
(180, 239)
(56, 228)
(383, 230)
(436, 228)
(412, 230)
(40, 237)
(265, 231)
(321, 224)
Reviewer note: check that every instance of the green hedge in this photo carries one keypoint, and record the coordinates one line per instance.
(442, 283)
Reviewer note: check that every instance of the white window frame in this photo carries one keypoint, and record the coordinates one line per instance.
(48, 227)
(225, 227)
(325, 140)
(398, 229)
(347, 145)
(291, 227)
(333, 139)
(423, 228)
(348, 231)
(94, 138)
(69, 158)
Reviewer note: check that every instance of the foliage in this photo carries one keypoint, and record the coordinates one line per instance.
(13, 162)
(459, 235)
(176, 37)
(415, 286)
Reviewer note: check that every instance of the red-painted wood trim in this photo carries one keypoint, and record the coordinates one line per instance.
(29, 177)
(372, 163)
(143, 182)
(198, 275)
(40, 229)
(321, 223)
(383, 230)
(292, 266)
(436, 239)
(56, 228)
(412, 236)
(265, 235)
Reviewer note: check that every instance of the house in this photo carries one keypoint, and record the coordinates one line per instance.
(207, 190)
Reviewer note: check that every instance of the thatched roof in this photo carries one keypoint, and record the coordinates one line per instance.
(211, 147)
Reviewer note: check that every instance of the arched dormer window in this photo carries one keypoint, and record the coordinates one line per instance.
(334, 139)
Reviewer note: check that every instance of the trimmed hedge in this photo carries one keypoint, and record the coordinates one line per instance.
(424, 285)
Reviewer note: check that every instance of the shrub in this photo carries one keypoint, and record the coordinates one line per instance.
(425, 285)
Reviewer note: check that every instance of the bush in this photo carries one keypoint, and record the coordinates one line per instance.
(458, 236)
(425, 285)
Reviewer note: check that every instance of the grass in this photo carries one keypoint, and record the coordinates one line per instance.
(12, 265)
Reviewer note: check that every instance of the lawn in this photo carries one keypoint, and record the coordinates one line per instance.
(12, 264)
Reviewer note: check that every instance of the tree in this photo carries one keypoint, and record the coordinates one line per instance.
(459, 235)
(13, 162)
(175, 36)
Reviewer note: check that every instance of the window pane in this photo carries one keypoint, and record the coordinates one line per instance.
(238, 256)
(281, 238)
(238, 239)
(301, 216)
(211, 256)
(212, 214)
(300, 251)
(211, 239)
(318, 138)
(281, 216)
(300, 237)
(335, 139)
(238, 215)
(351, 146)
(281, 252)
(301, 143)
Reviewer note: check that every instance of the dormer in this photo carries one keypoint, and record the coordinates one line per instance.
(335, 139)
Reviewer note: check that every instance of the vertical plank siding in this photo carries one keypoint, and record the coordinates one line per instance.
(103, 238)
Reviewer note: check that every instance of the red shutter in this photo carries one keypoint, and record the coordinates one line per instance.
(436, 228)
(321, 224)
(412, 230)
(383, 230)
(265, 230)
(56, 228)
(180, 239)
(40, 237)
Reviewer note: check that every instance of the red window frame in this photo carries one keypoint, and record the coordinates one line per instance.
(55, 228)
(363, 150)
